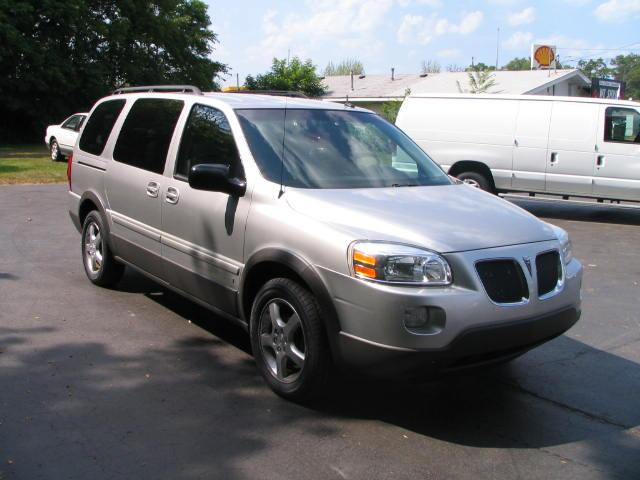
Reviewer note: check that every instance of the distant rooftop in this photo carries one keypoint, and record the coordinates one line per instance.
(373, 87)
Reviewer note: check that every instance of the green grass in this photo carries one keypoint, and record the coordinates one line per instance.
(29, 164)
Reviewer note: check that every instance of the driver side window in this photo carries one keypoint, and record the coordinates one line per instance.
(207, 138)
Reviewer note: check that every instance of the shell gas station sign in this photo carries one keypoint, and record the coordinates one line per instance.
(543, 57)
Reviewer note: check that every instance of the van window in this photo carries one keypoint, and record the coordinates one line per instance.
(207, 138)
(99, 126)
(621, 125)
(146, 133)
(320, 148)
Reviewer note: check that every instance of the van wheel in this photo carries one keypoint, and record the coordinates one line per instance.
(288, 340)
(475, 179)
(54, 149)
(99, 265)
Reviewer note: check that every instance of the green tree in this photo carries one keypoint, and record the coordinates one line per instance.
(430, 66)
(294, 75)
(595, 68)
(58, 57)
(390, 109)
(480, 81)
(627, 69)
(519, 64)
(345, 67)
(480, 67)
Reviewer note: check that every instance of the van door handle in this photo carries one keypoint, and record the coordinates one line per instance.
(172, 195)
(600, 161)
(152, 189)
(554, 158)
(515, 142)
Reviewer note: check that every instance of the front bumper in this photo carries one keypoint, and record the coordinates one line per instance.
(373, 336)
(475, 347)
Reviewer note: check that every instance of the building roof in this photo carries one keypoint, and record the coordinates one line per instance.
(381, 87)
(534, 98)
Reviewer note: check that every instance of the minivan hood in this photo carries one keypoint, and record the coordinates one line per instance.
(446, 218)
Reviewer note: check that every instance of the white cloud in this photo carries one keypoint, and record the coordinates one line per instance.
(449, 53)
(414, 29)
(528, 15)
(518, 40)
(618, 10)
(421, 29)
(428, 3)
(503, 3)
(350, 24)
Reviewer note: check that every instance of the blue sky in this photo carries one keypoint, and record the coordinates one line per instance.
(403, 33)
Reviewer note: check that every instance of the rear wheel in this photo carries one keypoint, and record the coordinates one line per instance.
(475, 179)
(54, 150)
(288, 340)
(99, 265)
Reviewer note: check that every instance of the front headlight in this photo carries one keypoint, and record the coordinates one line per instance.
(565, 245)
(396, 263)
(567, 251)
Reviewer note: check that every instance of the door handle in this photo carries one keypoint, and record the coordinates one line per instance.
(172, 195)
(600, 161)
(152, 189)
(554, 158)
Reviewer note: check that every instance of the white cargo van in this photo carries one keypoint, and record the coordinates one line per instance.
(569, 146)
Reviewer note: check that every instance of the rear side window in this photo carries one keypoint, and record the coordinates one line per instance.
(207, 138)
(99, 126)
(73, 123)
(622, 125)
(146, 133)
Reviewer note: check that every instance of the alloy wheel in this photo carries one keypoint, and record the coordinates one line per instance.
(282, 340)
(93, 248)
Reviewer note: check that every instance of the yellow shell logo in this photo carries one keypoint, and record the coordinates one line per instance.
(544, 56)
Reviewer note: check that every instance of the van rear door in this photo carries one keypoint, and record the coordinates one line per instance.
(530, 145)
(571, 155)
(617, 173)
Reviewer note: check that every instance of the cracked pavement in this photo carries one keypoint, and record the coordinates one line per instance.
(137, 382)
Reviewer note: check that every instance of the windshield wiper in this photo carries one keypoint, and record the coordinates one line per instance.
(405, 185)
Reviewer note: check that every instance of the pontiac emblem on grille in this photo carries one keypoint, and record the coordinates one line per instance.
(527, 262)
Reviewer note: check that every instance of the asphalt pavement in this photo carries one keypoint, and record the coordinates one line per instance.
(138, 383)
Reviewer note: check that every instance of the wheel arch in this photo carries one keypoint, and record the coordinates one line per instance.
(274, 262)
(472, 166)
(90, 201)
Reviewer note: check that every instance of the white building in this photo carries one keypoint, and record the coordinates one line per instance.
(372, 90)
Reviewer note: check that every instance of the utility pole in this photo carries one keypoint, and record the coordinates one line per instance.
(497, 48)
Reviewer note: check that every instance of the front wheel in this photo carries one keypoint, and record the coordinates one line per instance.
(289, 341)
(475, 179)
(54, 150)
(99, 265)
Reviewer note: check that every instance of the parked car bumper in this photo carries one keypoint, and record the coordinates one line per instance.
(475, 330)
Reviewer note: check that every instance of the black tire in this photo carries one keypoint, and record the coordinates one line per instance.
(102, 269)
(296, 383)
(477, 180)
(54, 150)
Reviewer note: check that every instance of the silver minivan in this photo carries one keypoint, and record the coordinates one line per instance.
(320, 228)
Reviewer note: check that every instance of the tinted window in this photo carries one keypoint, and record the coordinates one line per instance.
(72, 123)
(622, 125)
(146, 133)
(207, 138)
(335, 149)
(99, 126)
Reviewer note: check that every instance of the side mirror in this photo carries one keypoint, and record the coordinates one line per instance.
(216, 178)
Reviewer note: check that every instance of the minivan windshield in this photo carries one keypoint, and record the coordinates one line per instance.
(317, 148)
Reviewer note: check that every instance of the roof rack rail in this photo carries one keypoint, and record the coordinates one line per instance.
(159, 88)
(280, 93)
